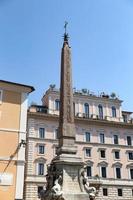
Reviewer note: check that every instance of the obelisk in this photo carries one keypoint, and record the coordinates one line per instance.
(66, 118)
(66, 179)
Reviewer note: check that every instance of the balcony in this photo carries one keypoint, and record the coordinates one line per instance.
(45, 110)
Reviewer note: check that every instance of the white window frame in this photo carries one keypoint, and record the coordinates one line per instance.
(85, 136)
(85, 152)
(86, 113)
(113, 138)
(39, 132)
(37, 167)
(38, 149)
(99, 116)
(91, 170)
(131, 140)
(101, 171)
(112, 110)
(104, 138)
(131, 160)
(103, 164)
(57, 105)
(114, 155)
(120, 172)
(100, 154)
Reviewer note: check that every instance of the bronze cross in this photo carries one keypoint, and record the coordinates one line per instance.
(65, 26)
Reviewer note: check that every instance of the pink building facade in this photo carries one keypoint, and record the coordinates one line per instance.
(104, 137)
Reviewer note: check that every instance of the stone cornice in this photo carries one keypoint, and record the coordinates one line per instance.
(80, 120)
(86, 144)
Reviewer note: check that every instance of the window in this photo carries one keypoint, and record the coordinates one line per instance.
(41, 133)
(119, 192)
(105, 192)
(113, 111)
(89, 171)
(102, 153)
(131, 173)
(86, 109)
(129, 140)
(41, 149)
(88, 152)
(57, 104)
(130, 155)
(40, 168)
(115, 139)
(102, 138)
(87, 136)
(103, 172)
(117, 154)
(118, 172)
(100, 110)
(40, 188)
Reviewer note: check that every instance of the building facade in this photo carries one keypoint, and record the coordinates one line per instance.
(104, 139)
(13, 117)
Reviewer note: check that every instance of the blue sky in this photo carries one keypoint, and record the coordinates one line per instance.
(101, 38)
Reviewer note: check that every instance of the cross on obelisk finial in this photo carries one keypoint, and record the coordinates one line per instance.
(65, 27)
(65, 34)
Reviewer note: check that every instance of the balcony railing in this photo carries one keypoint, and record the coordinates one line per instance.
(44, 109)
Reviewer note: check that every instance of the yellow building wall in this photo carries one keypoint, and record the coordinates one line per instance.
(8, 192)
(8, 143)
(10, 110)
(9, 121)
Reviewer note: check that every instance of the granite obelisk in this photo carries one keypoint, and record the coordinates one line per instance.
(66, 178)
(66, 118)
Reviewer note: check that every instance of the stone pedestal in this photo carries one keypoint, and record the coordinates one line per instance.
(66, 180)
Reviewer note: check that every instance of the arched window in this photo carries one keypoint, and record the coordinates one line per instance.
(86, 110)
(113, 111)
(57, 104)
(40, 166)
(100, 109)
(103, 169)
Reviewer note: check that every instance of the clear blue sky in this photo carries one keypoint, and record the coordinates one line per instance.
(101, 37)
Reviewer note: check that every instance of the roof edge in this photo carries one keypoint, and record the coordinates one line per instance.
(18, 84)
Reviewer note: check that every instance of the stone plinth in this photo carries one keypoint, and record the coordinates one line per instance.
(70, 167)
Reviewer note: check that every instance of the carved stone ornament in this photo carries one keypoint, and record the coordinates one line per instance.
(85, 186)
(54, 183)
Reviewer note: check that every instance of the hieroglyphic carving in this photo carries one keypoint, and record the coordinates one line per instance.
(66, 95)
